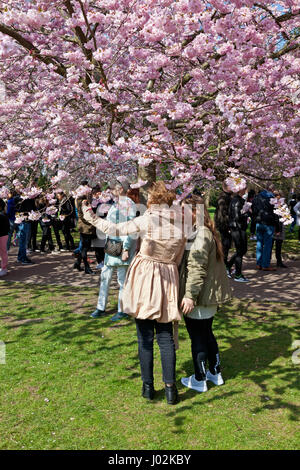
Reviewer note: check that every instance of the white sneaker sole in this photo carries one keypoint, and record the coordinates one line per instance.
(218, 381)
(188, 383)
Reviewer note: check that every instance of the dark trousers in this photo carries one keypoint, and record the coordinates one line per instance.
(46, 237)
(239, 238)
(66, 230)
(253, 225)
(164, 336)
(86, 241)
(33, 234)
(278, 248)
(100, 255)
(204, 346)
(226, 243)
(56, 227)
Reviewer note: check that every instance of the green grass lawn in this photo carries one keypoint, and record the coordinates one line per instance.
(71, 382)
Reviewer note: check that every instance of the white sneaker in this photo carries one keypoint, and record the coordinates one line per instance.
(100, 265)
(191, 382)
(3, 272)
(217, 379)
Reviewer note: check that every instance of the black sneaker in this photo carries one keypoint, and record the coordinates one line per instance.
(241, 278)
(27, 261)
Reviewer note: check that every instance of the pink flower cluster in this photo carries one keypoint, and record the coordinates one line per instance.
(235, 182)
(281, 209)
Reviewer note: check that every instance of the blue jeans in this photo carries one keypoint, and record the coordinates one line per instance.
(24, 233)
(78, 250)
(293, 223)
(264, 235)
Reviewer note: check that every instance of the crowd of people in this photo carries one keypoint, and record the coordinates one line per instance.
(234, 212)
(167, 268)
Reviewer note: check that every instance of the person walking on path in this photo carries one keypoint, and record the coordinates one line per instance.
(203, 286)
(266, 225)
(4, 230)
(238, 222)
(150, 293)
(222, 221)
(121, 251)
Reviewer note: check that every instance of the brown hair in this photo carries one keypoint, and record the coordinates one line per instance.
(134, 195)
(159, 194)
(194, 200)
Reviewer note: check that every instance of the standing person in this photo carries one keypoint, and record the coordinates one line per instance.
(150, 292)
(203, 285)
(266, 221)
(23, 208)
(122, 210)
(34, 224)
(222, 222)
(46, 223)
(251, 196)
(278, 238)
(98, 243)
(87, 233)
(65, 213)
(292, 203)
(11, 214)
(297, 212)
(4, 230)
(238, 222)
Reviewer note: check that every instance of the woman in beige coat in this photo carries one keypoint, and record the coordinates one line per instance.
(151, 287)
(203, 285)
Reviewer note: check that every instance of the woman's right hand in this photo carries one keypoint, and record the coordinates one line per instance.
(187, 305)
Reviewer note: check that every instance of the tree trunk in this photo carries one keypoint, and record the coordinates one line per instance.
(146, 173)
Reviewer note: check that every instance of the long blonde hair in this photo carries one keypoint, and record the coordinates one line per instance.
(194, 200)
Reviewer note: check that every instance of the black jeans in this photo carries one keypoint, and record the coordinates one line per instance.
(33, 234)
(56, 227)
(164, 336)
(46, 237)
(204, 346)
(239, 238)
(100, 255)
(66, 230)
(226, 244)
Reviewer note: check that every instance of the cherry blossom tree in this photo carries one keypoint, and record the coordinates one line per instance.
(185, 89)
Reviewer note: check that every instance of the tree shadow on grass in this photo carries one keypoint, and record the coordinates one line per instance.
(264, 360)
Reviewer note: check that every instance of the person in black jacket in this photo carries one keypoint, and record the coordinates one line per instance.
(4, 230)
(46, 223)
(66, 214)
(238, 222)
(266, 225)
(222, 221)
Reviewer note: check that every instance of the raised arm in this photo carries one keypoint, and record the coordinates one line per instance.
(139, 224)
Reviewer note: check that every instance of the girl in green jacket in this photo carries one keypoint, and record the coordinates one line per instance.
(204, 284)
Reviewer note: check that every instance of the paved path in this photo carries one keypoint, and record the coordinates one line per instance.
(279, 286)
